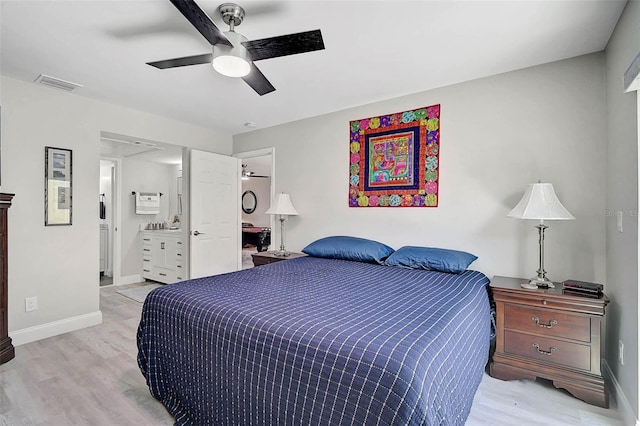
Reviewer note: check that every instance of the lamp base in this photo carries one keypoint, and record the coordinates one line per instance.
(280, 253)
(541, 282)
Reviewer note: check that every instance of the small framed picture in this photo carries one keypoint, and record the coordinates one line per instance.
(58, 188)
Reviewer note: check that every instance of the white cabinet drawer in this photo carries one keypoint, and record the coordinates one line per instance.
(162, 254)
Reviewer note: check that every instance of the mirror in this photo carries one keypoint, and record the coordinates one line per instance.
(249, 202)
(179, 186)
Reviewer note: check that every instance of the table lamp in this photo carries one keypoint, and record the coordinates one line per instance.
(540, 202)
(283, 208)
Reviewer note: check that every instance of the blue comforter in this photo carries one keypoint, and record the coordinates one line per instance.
(317, 341)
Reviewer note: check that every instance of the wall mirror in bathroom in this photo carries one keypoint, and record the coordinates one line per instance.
(179, 186)
(249, 202)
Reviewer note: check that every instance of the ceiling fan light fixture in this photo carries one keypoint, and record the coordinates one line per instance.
(232, 61)
(231, 66)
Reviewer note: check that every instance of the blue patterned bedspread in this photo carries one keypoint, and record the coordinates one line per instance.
(317, 341)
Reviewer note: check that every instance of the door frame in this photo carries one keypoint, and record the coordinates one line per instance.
(116, 190)
(261, 153)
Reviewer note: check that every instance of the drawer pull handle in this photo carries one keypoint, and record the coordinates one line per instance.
(551, 350)
(544, 301)
(537, 321)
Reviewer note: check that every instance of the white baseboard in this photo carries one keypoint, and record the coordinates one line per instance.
(130, 279)
(42, 331)
(624, 408)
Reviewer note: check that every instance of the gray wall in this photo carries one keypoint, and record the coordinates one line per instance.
(141, 176)
(262, 188)
(59, 264)
(622, 195)
(498, 134)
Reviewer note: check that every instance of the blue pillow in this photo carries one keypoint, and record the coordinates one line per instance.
(431, 259)
(349, 248)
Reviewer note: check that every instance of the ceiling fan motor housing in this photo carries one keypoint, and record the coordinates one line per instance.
(231, 13)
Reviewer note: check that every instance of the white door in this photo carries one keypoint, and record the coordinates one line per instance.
(214, 237)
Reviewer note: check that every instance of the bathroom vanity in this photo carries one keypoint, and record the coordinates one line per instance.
(162, 256)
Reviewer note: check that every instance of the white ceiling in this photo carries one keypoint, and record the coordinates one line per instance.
(375, 50)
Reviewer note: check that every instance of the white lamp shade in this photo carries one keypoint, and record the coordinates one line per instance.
(282, 206)
(540, 202)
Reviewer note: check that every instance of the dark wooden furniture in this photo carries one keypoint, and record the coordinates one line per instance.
(550, 334)
(7, 351)
(256, 236)
(265, 258)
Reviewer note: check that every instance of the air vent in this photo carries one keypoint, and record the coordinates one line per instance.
(57, 83)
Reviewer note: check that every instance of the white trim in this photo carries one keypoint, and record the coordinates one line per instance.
(255, 153)
(131, 279)
(631, 77)
(624, 408)
(116, 189)
(637, 219)
(43, 331)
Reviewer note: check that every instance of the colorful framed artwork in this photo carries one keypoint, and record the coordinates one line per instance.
(57, 186)
(394, 159)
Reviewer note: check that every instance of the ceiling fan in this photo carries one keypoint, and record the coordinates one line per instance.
(233, 55)
(246, 175)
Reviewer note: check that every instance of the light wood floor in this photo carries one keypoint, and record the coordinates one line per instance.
(90, 377)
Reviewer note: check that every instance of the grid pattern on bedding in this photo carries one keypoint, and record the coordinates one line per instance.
(317, 341)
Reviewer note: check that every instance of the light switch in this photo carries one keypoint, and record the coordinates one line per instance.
(619, 216)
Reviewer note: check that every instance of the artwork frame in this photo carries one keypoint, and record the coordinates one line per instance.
(58, 186)
(394, 159)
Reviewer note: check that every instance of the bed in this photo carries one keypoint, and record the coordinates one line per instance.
(316, 341)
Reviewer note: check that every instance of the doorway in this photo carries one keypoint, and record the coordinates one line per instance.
(106, 209)
(131, 164)
(257, 189)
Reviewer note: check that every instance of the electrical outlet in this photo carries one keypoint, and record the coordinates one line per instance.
(621, 352)
(31, 304)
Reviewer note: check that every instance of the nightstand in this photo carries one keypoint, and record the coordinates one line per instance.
(545, 333)
(265, 257)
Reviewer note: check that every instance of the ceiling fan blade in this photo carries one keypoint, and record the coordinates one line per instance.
(207, 58)
(290, 44)
(258, 81)
(201, 21)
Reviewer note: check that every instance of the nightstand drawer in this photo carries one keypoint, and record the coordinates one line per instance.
(547, 322)
(541, 348)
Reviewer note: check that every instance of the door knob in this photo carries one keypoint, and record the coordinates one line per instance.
(196, 233)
